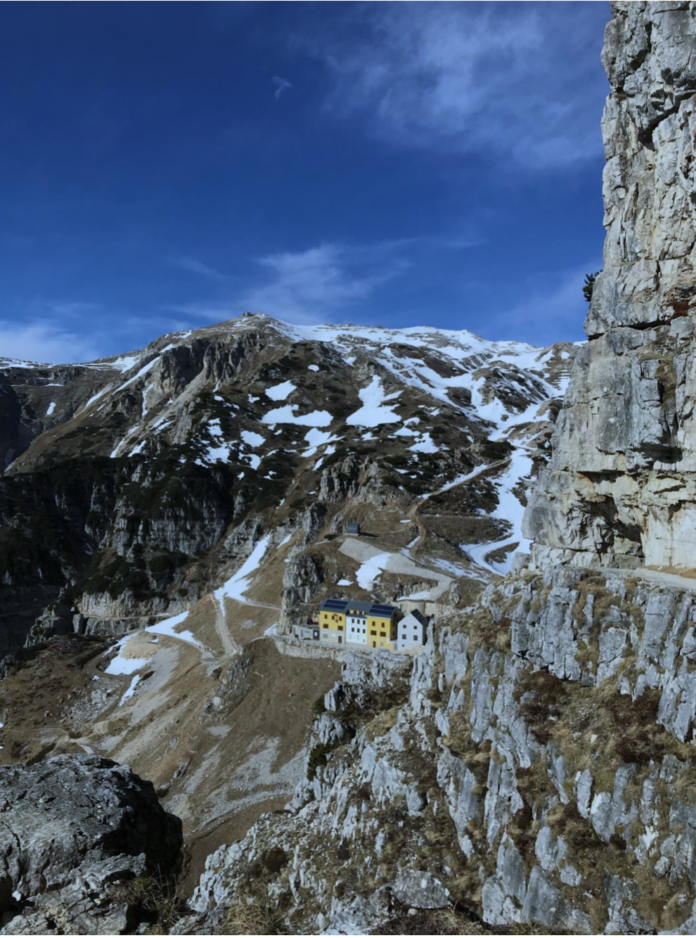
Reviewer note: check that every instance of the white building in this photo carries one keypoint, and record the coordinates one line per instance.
(356, 629)
(411, 631)
(356, 622)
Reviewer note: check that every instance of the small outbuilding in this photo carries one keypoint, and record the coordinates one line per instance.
(411, 631)
(353, 528)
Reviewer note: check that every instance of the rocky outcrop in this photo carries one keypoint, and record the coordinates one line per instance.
(71, 828)
(534, 767)
(301, 580)
(621, 486)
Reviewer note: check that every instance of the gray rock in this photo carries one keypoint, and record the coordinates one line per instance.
(71, 826)
(420, 889)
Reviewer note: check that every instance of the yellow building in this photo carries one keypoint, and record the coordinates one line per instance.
(332, 621)
(350, 622)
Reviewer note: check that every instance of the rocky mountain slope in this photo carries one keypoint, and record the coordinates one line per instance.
(151, 476)
(166, 515)
(535, 769)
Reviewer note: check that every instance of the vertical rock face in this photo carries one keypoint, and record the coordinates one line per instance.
(621, 487)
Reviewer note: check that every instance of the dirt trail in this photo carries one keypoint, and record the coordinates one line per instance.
(415, 508)
(229, 646)
(661, 577)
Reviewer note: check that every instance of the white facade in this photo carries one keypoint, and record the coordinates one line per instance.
(410, 633)
(356, 630)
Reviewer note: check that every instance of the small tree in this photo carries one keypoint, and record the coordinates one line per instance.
(588, 286)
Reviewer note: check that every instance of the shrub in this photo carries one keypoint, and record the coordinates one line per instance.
(318, 757)
(588, 286)
(154, 899)
(251, 919)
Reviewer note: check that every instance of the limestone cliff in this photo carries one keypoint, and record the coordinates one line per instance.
(621, 486)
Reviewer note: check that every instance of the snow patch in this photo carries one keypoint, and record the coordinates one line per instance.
(368, 572)
(424, 445)
(121, 664)
(168, 626)
(286, 414)
(373, 413)
(251, 438)
(316, 438)
(125, 362)
(280, 392)
(238, 584)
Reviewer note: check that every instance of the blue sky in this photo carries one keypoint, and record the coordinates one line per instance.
(169, 165)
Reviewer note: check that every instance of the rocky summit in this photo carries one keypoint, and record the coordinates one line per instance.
(172, 519)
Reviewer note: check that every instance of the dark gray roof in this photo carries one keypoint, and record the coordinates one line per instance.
(358, 607)
(418, 615)
(334, 605)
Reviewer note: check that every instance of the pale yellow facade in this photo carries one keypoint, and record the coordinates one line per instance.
(333, 626)
(381, 633)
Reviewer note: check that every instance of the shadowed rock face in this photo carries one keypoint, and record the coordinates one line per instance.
(621, 487)
(72, 825)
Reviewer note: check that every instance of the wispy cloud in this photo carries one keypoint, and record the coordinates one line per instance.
(44, 341)
(315, 284)
(281, 85)
(519, 81)
(324, 282)
(71, 308)
(195, 266)
(216, 312)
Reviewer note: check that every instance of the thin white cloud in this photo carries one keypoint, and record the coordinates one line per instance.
(508, 81)
(319, 282)
(44, 341)
(281, 85)
(217, 312)
(324, 282)
(74, 308)
(195, 266)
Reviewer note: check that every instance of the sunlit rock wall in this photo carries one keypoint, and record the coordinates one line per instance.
(621, 487)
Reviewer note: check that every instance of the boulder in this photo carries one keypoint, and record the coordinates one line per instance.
(71, 826)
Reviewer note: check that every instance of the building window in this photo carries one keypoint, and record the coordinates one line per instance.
(382, 634)
(340, 628)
